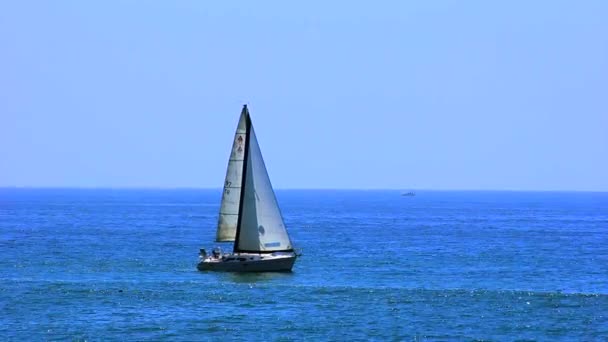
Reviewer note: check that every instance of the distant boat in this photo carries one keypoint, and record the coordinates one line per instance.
(249, 213)
(410, 193)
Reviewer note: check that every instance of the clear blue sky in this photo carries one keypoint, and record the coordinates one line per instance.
(394, 94)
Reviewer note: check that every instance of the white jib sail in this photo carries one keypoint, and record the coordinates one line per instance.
(229, 208)
(262, 228)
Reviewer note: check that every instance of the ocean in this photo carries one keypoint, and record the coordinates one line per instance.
(105, 264)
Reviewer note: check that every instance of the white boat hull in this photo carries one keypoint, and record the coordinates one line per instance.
(246, 262)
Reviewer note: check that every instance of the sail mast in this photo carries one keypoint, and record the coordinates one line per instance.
(243, 177)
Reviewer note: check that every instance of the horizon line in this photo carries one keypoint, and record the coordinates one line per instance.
(284, 189)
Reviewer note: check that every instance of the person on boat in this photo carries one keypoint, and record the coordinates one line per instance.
(217, 253)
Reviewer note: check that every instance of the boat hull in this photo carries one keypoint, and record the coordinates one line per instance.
(249, 263)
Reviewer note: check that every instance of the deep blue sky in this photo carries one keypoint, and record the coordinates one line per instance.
(395, 94)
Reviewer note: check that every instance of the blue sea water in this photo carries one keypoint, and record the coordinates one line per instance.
(443, 265)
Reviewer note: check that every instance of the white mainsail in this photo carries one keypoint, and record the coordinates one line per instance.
(229, 208)
(261, 225)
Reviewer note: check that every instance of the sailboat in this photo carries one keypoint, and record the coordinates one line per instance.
(249, 213)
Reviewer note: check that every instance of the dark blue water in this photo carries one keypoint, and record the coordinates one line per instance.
(121, 264)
